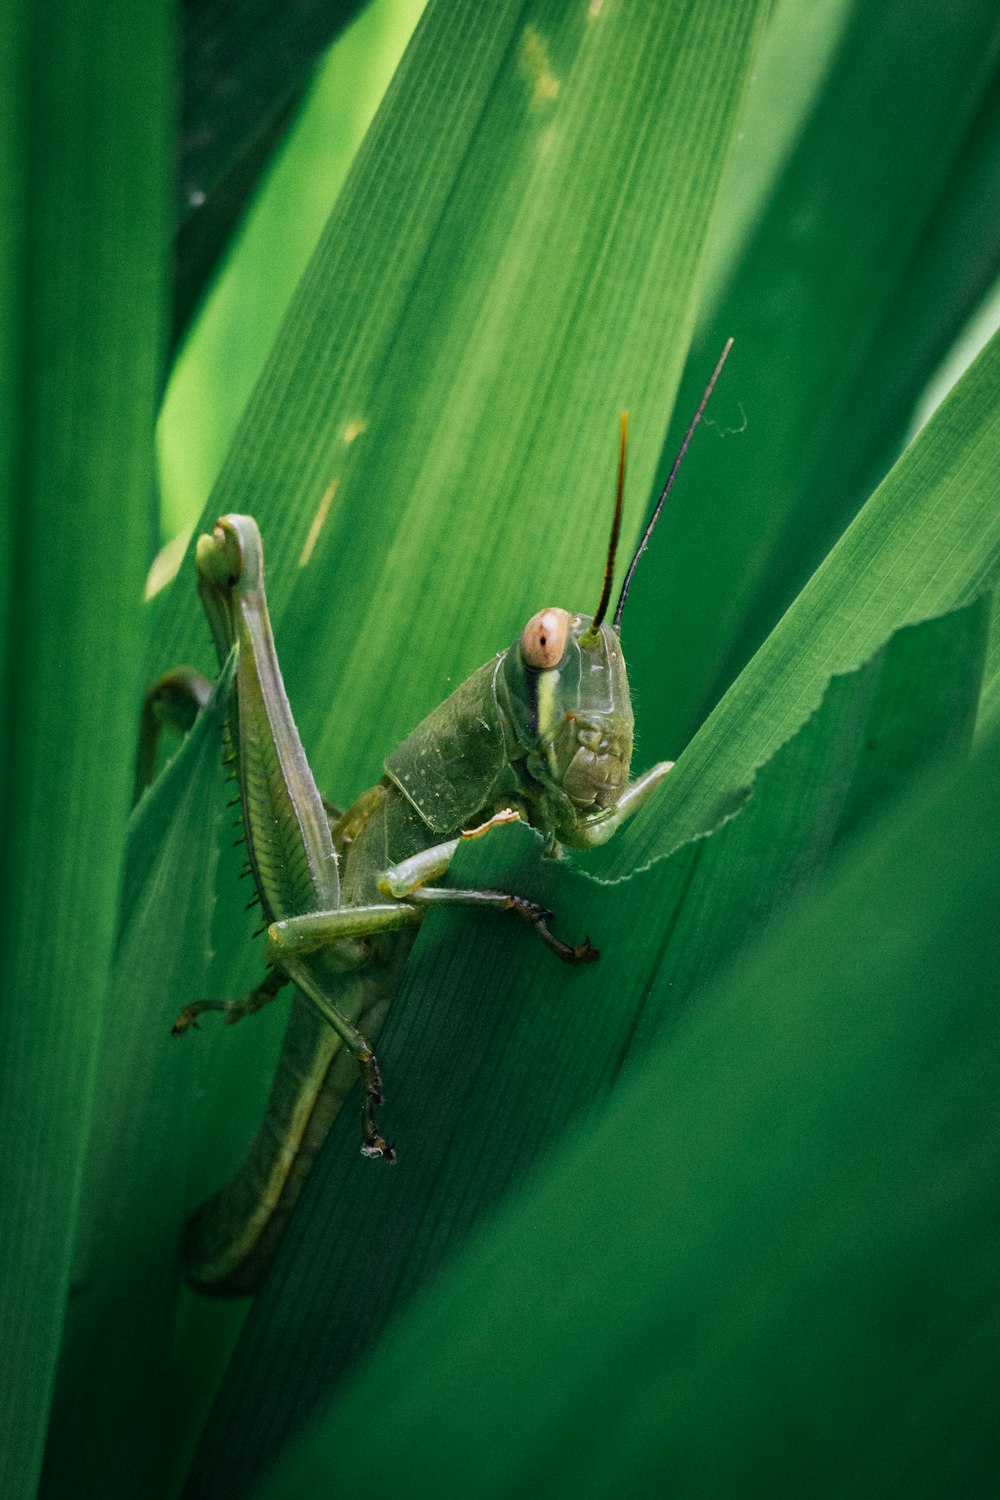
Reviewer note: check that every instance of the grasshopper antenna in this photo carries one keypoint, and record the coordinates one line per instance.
(617, 621)
(616, 526)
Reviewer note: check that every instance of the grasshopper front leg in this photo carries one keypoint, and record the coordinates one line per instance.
(405, 883)
(296, 937)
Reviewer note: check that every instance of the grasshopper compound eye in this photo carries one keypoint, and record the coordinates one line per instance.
(543, 639)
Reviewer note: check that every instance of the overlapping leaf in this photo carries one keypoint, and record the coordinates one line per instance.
(265, 255)
(873, 247)
(928, 539)
(491, 1057)
(243, 68)
(437, 422)
(84, 151)
(769, 1264)
(136, 1175)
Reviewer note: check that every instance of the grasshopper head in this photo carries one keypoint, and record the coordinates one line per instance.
(568, 700)
(567, 691)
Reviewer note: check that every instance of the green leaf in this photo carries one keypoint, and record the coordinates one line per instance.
(107, 1437)
(203, 239)
(14, 37)
(928, 540)
(953, 270)
(793, 63)
(533, 197)
(769, 1264)
(241, 63)
(244, 67)
(266, 255)
(492, 1052)
(437, 425)
(83, 262)
(840, 313)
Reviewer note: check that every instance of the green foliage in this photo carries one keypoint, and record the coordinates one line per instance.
(243, 68)
(84, 156)
(483, 1020)
(768, 1265)
(221, 358)
(857, 272)
(761, 1257)
(125, 1263)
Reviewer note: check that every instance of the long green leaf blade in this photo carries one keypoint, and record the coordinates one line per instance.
(928, 540)
(91, 83)
(839, 312)
(108, 1436)
(491, 1053)
(787, 1282)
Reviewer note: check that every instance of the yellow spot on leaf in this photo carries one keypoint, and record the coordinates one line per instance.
(535, 62)
(322, 511)
(166, 563)
(354, 429)
(546, 138)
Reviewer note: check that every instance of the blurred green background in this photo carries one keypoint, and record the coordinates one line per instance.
(215, 371)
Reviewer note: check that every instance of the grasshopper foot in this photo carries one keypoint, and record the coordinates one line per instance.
(188, 1017)
(377, 1148)
(374, 1145)
(570, 953)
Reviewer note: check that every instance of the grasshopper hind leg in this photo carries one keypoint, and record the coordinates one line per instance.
(373, 1143)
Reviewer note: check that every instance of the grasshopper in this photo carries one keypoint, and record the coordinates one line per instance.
(543, 731)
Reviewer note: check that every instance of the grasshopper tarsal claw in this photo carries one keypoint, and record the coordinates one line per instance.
(187, 1019)
(378, 1149)
(539, 917)
(570, 953)
(233, 1010)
